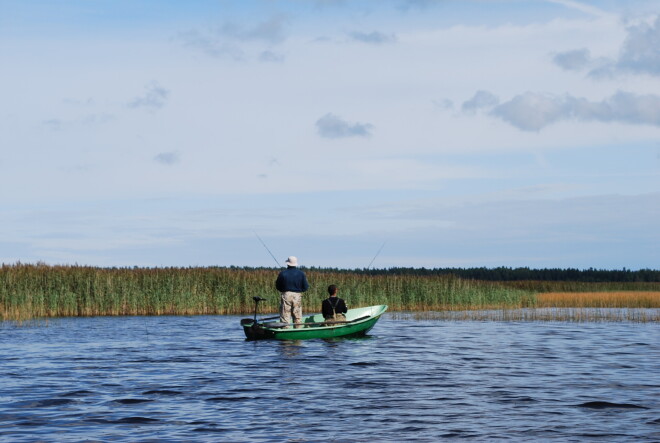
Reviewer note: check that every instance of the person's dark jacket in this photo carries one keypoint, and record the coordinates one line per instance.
(292, 280)
(337, 303)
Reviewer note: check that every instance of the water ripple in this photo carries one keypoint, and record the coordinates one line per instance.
(197, 379)
(608, 405)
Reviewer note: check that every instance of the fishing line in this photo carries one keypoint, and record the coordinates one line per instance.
(377, 253)
(271, 254)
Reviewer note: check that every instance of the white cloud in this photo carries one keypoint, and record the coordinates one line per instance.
(154, 98)
(373, 38)
(574, 60)
(271, 30)
(210, 44)
(96, 119)
(168, 158)
(234, 40)
(271, 57)
(638, 54)
(332, 126)
(54, 124)
(641, 50)
(533, 111)
(481, 100)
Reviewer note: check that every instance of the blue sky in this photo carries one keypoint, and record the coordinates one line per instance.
(456, 133)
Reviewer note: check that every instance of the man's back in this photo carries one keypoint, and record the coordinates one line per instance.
(332, 306)
(292, 280)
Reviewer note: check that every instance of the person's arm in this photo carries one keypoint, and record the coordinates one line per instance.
(342, 307)
(326, 309)
(279, 283)
(305, 284)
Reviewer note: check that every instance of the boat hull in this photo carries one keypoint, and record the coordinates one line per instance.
(359, 322)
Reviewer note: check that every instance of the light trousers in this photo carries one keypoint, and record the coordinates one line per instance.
(291, 306)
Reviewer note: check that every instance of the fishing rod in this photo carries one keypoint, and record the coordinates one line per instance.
(271, 254)
(377, 253)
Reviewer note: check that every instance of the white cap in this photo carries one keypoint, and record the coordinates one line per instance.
(292, 261)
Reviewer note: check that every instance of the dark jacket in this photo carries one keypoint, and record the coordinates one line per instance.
(292, 279)
(333, 302)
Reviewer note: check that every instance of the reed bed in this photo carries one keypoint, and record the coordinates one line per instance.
(40, 291)
(541, 286)
(33, 291)
(614, 299)
(550, 314)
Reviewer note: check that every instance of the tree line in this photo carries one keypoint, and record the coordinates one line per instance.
(503, 273)
(500, 273)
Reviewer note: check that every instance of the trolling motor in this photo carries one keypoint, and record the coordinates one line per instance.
(256, 305)
(247, 321)
(255, 326)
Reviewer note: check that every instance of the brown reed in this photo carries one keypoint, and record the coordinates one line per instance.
(614, 299)
(578, 315)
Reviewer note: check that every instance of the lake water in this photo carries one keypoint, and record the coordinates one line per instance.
(197, 379)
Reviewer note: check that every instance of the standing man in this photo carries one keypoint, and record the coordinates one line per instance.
(291, 283)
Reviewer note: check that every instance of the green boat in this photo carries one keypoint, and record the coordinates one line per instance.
(358, 322)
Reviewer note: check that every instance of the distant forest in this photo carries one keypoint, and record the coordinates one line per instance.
(501, 273)
(518, 274)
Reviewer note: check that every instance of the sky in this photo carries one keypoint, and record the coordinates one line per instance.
(394, 133)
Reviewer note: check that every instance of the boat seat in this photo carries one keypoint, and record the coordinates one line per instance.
(275, 325)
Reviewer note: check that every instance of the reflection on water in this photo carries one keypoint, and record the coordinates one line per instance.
(289, 348)
(198, 379)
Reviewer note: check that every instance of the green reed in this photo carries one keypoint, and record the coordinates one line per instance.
(31, 291)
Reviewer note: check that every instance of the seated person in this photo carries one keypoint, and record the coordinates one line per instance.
(333, 307)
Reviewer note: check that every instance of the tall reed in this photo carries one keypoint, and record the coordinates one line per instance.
(29, 291)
